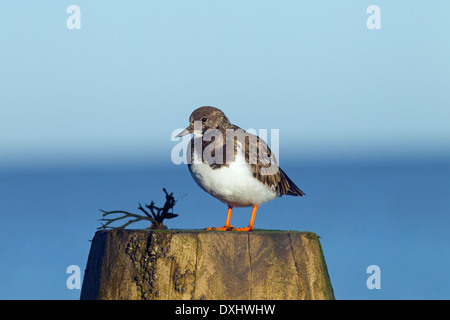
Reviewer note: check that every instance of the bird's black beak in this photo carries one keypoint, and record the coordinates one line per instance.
(186, 131)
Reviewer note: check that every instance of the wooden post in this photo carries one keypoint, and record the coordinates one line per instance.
(197, 264)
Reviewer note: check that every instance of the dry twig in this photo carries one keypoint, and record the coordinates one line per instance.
(156, 215)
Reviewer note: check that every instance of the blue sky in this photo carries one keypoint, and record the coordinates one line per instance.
(109, 96)
(136, 69)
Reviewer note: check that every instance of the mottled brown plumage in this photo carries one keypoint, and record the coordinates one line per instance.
(262, 162)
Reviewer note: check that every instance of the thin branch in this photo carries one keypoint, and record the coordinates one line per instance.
(159, 214)
(125, 215)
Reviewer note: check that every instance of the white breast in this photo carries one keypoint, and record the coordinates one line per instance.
(233, 185)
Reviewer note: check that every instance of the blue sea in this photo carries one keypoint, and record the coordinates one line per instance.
(392, 214)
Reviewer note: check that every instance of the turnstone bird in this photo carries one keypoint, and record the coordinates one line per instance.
(232, 165)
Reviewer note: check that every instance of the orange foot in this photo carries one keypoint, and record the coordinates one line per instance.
(224, 228)
(241, 229)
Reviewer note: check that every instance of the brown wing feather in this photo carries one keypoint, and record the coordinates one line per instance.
(265, 167)
(263, 163)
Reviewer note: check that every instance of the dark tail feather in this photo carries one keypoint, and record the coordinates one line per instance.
(293, 189)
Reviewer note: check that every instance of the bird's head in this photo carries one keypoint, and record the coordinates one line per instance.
(205, 118)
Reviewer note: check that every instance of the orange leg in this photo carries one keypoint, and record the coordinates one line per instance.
(227, 222)
(227, 225)
(252, 220)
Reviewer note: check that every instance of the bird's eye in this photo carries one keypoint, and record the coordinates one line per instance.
(204, 119)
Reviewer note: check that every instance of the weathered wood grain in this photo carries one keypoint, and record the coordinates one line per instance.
(197, 264)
